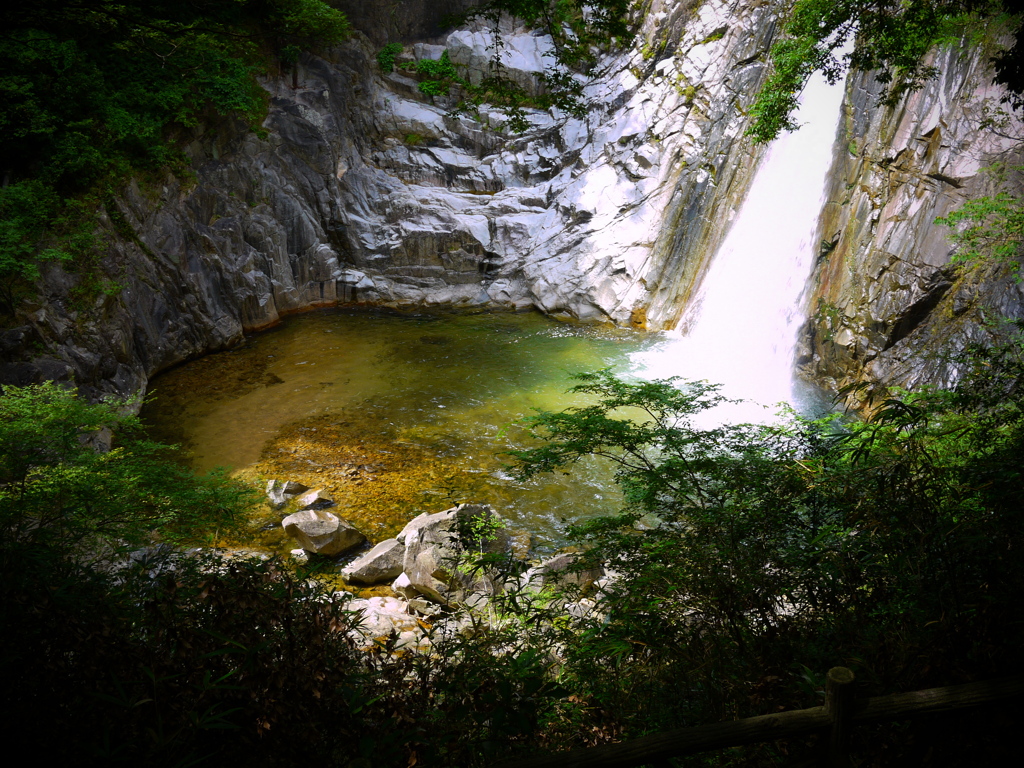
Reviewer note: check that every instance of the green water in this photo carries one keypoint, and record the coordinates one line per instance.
(450, 385)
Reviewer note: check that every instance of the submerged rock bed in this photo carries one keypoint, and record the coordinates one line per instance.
(393, 415)
(377, 484)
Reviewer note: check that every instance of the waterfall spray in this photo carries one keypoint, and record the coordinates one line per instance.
(743, 323)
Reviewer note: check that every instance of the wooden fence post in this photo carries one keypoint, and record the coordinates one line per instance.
(839, 707)
(837, 717)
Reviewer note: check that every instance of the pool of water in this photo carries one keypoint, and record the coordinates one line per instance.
(396, 414)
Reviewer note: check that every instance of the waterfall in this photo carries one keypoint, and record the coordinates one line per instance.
(742, 325)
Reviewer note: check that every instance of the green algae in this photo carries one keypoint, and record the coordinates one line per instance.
(393, 414)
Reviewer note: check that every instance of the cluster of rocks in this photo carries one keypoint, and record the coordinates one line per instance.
(431, 565)
(431, 556)
(316, 530)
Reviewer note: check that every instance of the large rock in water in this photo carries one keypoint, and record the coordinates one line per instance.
(440, 548)
(381, 564)
(321, 532)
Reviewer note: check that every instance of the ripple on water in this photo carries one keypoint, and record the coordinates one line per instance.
(395, 414)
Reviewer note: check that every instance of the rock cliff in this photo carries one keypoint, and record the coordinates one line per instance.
(886, 306)
(361, 189)
(365, 190)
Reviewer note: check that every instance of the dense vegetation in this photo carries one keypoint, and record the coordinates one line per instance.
(768, 554)
(750, 559)
(892, 38)
(579, 30)
(92, 90)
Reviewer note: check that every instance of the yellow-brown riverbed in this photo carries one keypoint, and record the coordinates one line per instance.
(394, 414)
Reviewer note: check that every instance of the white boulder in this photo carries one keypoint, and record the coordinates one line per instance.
(440, 550)
(322, 532)
(381, 564)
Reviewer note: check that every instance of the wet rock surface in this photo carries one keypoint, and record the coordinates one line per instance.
(562, 570)
(887, 307)
(280, 492)
(366, 191)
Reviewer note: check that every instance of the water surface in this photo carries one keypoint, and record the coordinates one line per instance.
(397, 413)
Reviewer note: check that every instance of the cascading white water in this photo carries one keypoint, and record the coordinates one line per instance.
(744, 321)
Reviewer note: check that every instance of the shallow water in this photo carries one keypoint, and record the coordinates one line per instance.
(359, 401)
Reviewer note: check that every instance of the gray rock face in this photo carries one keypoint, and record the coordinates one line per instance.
(366, 191)
(321, 532)
(886, 306)
(439, 548)
(381, 564)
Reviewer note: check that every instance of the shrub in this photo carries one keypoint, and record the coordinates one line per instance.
(386, 57)
(59, 484)
(749, 555)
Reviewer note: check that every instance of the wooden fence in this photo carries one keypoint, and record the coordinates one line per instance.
(840, 713)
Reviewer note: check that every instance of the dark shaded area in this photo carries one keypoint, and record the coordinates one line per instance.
(385, 21)
(1009, 64)
(915, 314)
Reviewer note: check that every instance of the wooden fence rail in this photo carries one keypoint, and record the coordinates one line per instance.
(838, 714)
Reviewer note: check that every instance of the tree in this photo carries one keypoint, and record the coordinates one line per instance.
(891, 38)
(749, 555)
(62, 483)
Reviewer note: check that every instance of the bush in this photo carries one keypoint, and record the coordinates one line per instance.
(753, 558)
(59, 484)
(386, 57)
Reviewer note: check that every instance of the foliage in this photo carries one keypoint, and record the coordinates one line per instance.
(988, 229)
(748, 560)
(25, 210)
(176, 662)
(750, 554)
(59, 485)
(93, 89)
(386, 57)
(439, 74)
(892, 38)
